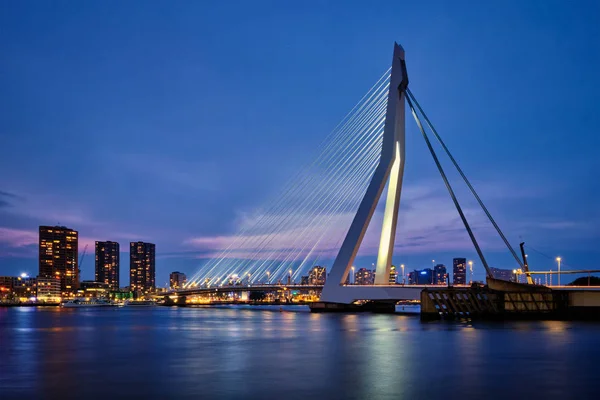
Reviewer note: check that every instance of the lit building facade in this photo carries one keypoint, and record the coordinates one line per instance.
(24, 287)
(94, 289)
(420, 277)
(459, 271)
(6, 286)
(142, 268)
(177, 280)
(317, 275)
(58, 246)
(364, 276)
(48, 289)
(107, 264)
(393, 275)
(439, 274)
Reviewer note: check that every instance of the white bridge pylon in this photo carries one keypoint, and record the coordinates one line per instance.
(390, 168)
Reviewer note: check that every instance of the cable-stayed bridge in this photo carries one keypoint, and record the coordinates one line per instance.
(324, 212)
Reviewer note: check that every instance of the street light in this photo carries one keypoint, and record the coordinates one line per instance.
(402, 266)
(353, 276)
(432, 263)
(515, 272)
(471, 271)
(558, 259)
(268, 277)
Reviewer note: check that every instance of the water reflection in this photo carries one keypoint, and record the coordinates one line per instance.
(241, 353)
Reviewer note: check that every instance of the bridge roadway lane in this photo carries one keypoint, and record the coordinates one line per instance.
(357, 292)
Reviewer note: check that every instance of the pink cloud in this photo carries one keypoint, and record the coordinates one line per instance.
(18, 237)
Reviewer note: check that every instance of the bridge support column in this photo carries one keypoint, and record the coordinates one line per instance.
(391, 166)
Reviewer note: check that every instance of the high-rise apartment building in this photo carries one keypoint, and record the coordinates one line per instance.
(141, 268)
(58, 246)
(439, 274)
(459, 271)
(107, 264)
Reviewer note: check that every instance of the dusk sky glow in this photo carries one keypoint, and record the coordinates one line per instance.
(176, 123)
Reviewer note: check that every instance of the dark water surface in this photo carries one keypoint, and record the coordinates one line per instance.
(239, 353)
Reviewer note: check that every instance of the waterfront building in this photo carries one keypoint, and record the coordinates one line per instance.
(364, 276)
(317, 275)
(24, 287)
(6, 287)
(48, 289)
(107, 264)
(459, 271)
(94, 289)
(142, 268)
(58, 246)
(393, 275)
(439, 274)
(177, 280)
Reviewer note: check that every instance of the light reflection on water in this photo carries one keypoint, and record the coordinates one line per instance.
(238, 352)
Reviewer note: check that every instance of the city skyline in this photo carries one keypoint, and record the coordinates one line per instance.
(199, 188)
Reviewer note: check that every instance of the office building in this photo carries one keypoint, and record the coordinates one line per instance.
(58, 246)
(421, 277)
(364, 276)
(141, 268)
(459, 271)
(177, 280)
(317, 275)
(439, 274)
(107, 264)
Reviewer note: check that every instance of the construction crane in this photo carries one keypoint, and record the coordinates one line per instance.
(525, 265)
(82, 257)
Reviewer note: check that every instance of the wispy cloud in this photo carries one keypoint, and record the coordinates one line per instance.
(428, 222)
(18, 237)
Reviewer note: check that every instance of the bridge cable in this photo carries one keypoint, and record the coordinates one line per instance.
(366, 122)
(471, 188)
(449, 187)
(309, 203)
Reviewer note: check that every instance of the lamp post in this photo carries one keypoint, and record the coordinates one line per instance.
(403, 280)
(290, 278)
(558, 259)
(353, 276)
(268, 278)
(515, 272)
(471, 271)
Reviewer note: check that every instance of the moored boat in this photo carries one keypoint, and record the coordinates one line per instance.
(77, 303)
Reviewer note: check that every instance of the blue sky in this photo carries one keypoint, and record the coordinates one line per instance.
(171, 122)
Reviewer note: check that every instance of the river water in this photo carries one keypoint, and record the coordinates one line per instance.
(245, 353)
